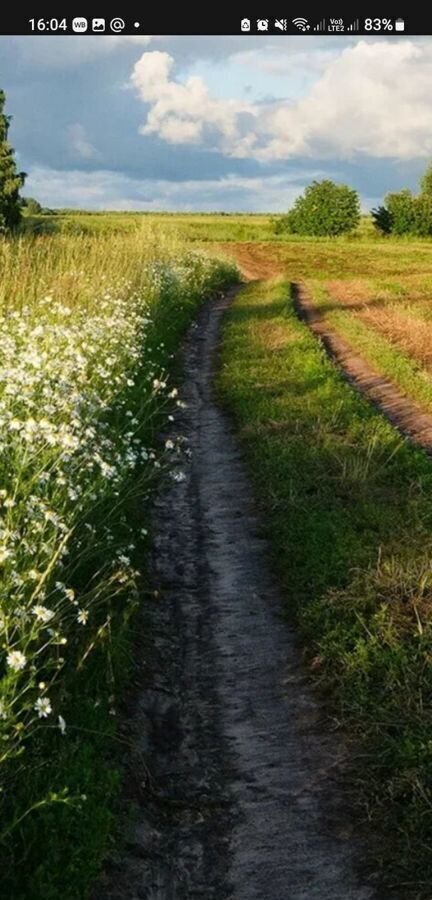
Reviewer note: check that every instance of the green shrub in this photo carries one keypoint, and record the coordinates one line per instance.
(401, 209)
(406, 213)
(31, 206)
(423, 215)
(325, 209)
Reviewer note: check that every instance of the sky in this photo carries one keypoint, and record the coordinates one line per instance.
(215, 123)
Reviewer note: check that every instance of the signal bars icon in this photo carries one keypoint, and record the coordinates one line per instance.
(321, 26)
(355, 26)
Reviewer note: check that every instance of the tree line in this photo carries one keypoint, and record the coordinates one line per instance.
(326, 209)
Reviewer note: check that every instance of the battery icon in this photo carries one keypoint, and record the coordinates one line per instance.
(400, 25)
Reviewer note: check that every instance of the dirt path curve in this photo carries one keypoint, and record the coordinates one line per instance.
(406, 415)
(248, 798)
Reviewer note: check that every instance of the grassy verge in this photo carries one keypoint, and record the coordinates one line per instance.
(349, 510)
(88, 328)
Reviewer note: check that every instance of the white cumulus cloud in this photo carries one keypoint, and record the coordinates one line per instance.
(186, 113)
(371, 99)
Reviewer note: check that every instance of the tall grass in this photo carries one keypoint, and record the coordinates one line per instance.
(88, 326)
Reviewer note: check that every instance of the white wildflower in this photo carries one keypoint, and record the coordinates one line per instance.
(82, 616)
(43, 707)
(16, 660)
(42, 613)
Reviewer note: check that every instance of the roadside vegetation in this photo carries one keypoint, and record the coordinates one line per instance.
(88, 326)
(348, 506)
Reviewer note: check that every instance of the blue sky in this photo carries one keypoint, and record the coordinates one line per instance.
(203, 123)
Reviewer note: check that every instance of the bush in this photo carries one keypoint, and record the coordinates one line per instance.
(325, 209)
(423, 215)
(31, 206)
(401, 208)
(405, 214)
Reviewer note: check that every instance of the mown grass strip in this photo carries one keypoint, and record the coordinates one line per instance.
(348, 506)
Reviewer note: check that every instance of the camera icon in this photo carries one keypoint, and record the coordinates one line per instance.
(245, 25)
(262, 24)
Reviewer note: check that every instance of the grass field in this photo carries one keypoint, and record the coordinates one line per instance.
(191, 226)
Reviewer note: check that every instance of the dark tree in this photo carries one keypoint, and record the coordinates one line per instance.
(382, 219)
(11, 181)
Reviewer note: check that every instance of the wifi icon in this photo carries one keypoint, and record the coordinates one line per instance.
(301, 24)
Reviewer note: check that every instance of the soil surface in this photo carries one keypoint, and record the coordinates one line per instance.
(237, 786)
(402, 412)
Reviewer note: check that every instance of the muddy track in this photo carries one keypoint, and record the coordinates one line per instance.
(247, 796)
(402, 412)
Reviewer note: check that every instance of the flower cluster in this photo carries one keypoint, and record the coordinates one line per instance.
(79, 389)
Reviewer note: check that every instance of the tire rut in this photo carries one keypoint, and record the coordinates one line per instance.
(248, 795)
(402, 412)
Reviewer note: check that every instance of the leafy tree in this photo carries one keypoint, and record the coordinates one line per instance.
(405, 213)
(423, 215)
(326, 209)
(401, 207)
(11, 181)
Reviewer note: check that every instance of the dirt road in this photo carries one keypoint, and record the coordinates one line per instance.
(247, 796)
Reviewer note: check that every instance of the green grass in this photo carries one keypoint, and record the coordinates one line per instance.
(342, 258)
(348, 505)
(191, 227)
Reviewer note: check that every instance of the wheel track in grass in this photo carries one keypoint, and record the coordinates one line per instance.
(248, 796)
(402, 412)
